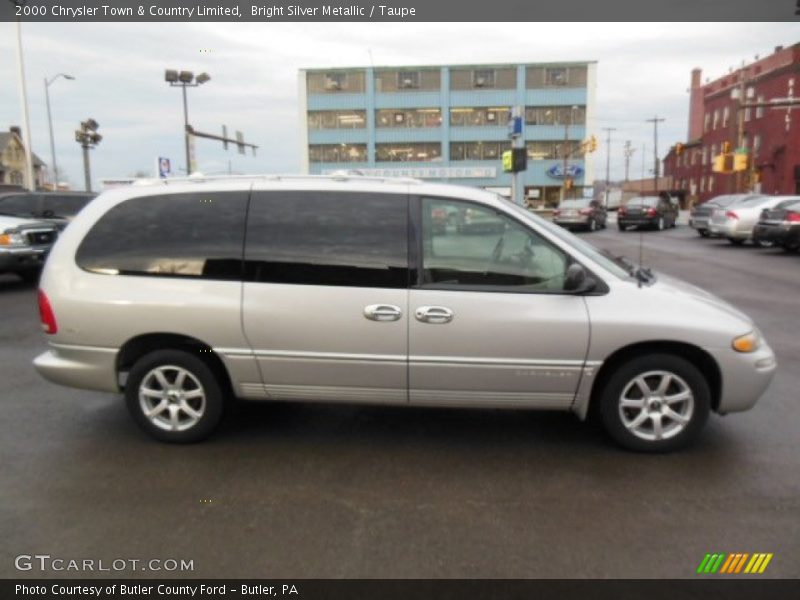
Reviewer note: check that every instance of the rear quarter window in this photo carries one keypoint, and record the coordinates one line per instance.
(197, 235)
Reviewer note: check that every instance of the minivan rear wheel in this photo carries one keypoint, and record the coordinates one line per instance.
(174, 396)
(655, 403)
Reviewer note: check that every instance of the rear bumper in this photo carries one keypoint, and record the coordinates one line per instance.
(572, 222)
(639, 221)
(84, 367)
(745, 376)
(699, 223)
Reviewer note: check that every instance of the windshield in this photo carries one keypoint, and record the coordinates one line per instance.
(18, 205)
(603, 258)
(575, 203)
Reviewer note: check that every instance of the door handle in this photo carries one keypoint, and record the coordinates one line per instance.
(383, 312)
(435, 315)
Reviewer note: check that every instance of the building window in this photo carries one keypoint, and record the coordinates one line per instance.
(555, 115)
(710, 183)
(337, 119)
(15, 178)
(760, 107)
(726, 113)
(411, 117)
(707, 122)
(747, 113)
(695, 154)
(716, 118)
(756, 143)
(478, 117)
(477, 150)
(713, 151)
(403, 80)
(704, 156)
(555, 76)
(401, 152)
(551, 150)
(408, 80)
(337, 153)
(702, 184)
(483, 78)
(335, 82)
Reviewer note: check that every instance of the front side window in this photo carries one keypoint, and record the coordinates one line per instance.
(328, 238)
(466, 246)
(178, 235)
(22, 205)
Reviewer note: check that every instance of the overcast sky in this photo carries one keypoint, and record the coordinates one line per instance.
(643, 70)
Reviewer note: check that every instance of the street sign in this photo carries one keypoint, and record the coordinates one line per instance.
(514, 127)
(164, 167)
(557, 171)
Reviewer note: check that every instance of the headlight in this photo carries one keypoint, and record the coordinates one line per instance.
(748, 342)
(12, 240)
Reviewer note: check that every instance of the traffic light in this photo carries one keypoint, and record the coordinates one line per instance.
(740, 161)
(679, 149)
(723, 163)
(592, 144)
(515, 160)
(508, 161)
(726, 147)
(569, 184)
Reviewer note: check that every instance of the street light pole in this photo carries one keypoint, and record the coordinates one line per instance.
(186, 131)
(30, 181)
(608, 131)
(184, 79)
(655, 121)
(50, 123)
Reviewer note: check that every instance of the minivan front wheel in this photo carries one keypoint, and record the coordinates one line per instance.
(174, 396)
(655, 403)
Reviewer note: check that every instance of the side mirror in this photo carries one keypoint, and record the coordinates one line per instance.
(577, 281)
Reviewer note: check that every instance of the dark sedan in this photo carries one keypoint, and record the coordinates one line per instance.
(780, 226)
(654, 212)
(580, 213)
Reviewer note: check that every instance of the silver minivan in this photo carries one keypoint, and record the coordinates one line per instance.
(182, 294)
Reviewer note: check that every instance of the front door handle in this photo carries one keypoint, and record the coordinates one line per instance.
(383, 312)
(434, 314)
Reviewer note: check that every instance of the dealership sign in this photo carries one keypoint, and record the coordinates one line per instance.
(572, 171)
(429, 172)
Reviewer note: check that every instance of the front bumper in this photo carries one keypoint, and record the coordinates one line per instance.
(745, 376)
(86, 367)
(22, 259)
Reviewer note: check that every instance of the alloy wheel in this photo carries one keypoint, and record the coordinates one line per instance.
(656, 405)
(172, 398)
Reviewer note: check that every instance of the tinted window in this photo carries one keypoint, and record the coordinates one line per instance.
(178, 235)
(328, 238)
(19, 204)
(63, 206)
(468, 246)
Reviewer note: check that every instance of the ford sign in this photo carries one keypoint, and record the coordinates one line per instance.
(572, 171)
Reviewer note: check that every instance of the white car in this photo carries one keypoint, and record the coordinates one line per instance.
(736, 222)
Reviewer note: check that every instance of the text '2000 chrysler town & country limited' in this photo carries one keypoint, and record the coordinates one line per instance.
(182, 294)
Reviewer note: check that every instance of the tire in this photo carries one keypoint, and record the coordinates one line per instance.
(592, 226)
(620, 422)
(30, 275)
(735, 241)
(199, 380)
(703, 232)
(792, 245)
(660, 224)
(621, 227)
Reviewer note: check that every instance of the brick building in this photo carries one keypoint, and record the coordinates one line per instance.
(757, 108)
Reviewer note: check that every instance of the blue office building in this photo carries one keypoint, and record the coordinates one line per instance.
(450, 123)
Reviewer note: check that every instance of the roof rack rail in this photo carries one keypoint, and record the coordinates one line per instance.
(344, 175)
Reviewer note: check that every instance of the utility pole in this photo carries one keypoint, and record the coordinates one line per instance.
(740, 124)
(655, 121)
(567, 151)
(629, 150)
(88, 138)
(30, 180)
(608, 131)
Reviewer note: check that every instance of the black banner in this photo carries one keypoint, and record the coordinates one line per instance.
(401, 10)
(321, 589)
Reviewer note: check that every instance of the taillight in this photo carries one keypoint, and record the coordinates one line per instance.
(651, 212)
(586, 211)
(792, 217)
(622, 210)
(731, 215)
(46, 314)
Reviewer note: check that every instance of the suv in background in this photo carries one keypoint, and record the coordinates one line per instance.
(58, 208)
(24, 244)
(183, 293)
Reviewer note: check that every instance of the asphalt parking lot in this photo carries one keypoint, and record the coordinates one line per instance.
(340, 491)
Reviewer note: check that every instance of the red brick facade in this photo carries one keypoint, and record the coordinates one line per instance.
(771, 135)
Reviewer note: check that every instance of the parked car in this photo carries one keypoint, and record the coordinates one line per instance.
(580, 213)
(700, 216)
(24, 244)
(183, 293)
(780, 225)
(58, 208)
(655, 212)
(736, 222)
